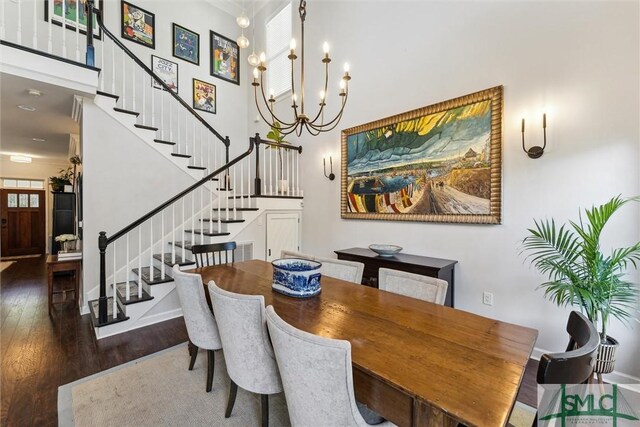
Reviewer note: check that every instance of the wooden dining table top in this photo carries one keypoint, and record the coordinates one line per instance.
(468, 366)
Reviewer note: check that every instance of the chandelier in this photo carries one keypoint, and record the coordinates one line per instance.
(301, 120)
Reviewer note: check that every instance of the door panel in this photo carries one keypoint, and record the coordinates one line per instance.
(283, 233)
(23, 222)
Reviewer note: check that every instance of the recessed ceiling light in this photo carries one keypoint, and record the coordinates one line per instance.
(27, 108)
(38, 139)
(20, 159)
(34, 92)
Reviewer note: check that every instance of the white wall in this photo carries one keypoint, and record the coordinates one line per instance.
(578, 60)
(38, 169)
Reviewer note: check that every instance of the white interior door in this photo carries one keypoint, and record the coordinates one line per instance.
(283, 233)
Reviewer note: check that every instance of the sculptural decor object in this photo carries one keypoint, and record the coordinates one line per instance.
(296, 277)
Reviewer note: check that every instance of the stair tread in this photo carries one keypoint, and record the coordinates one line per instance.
(186, 244)
(207, 233)
(238, 209)
(139, 126)
(167, 259)
(122, 110)
(110, 95)
(133, 293)
(184, 156)
(156, 277)
(161, 141)
(279, 196)
(223, 221)
(111, 319)
(196, 167)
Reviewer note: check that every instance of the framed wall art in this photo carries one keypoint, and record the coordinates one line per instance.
(224, 56)
(186, 44)
(166, 70)
(74, 14)
(138, 25)
(441, 163)
(204, 96)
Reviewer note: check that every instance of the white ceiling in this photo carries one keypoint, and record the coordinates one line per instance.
(51, 121)
(234, 7)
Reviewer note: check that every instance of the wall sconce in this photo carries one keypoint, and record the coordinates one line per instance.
(331, 175)
(536, 151)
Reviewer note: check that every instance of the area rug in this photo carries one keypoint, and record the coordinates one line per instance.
(159, 390)
(5, 264)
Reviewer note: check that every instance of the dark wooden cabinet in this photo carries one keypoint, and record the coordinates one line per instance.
(427, 266)
(64, 217)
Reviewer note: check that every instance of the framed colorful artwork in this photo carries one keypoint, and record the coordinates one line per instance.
(74, 15)
(138, 25)
(441, 163)
(204, 96)
(224, 55)
(166, 70)
(186, 44)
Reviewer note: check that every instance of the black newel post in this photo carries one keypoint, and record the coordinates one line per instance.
(91, 55)
(257, 183)
(102, 302)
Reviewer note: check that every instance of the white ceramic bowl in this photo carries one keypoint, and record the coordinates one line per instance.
(385, 250)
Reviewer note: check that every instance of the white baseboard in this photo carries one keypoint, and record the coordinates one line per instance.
(615, 377)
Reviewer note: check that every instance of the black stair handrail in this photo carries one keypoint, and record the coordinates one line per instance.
(103, 241)
(98, 12)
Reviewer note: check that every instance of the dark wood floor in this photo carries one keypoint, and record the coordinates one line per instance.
(39, 353)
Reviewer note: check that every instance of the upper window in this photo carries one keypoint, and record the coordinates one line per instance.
(22, 183)
(278, 64)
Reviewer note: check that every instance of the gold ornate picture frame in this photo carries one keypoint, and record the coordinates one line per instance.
(440, 163)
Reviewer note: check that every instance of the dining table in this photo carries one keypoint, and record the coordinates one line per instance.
(415, 363)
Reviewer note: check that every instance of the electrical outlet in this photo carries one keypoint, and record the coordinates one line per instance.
(487, 298)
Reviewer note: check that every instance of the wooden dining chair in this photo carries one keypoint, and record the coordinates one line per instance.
(575, 365)
(249, 356)
(413, 285)
(317, 377)
(214, 254)
(201, 325)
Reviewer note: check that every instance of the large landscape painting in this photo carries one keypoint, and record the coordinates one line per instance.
(439, 163)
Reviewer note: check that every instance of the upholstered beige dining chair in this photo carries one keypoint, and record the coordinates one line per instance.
(248, 354)
(294, 254)
(317, 376)
(351, 271)
(201, 325)
(413, 285)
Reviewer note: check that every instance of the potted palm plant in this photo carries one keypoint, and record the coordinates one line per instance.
(276, 135)
(580, 274)
(58, 182)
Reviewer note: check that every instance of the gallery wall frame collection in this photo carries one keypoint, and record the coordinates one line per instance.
(440, 163)
(70, 10)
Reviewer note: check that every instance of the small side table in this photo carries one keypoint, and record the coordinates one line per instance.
(53, 266)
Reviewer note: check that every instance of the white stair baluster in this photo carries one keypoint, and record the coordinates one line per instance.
(248, 159)
(288, 172)
(271, 172)
(126, 272)
(170, 123)
(124, 81)
(235, 186)
(140, 261)
(78, 5)
(153, 103)
(219, 206)
(173, 234)
(201, 217)
(102, 68)
(50, 14)
(226, 188)
(184, 222)
(151, 249)
(193, 134)
(209, 169)
(162, 263)
(241, 184)
(115, 292)
(64, 30)
(2, 23)
(113, 64)
(133, 84)
(264, 169)
(144, 98)
(19, 34)
(210, 209)
(35, 23)
(298, 174)
(161, 123)
(193, 217)
(201, 162)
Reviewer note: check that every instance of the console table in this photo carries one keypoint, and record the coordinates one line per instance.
(55, 265)
(427, 266)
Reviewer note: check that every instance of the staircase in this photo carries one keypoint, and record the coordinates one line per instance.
(135, 283)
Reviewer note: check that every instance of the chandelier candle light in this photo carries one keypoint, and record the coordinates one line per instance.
(301, 121)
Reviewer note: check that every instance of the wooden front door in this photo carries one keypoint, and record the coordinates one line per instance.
(23, 222)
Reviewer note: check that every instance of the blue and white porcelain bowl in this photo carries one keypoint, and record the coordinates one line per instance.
(296, 277)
